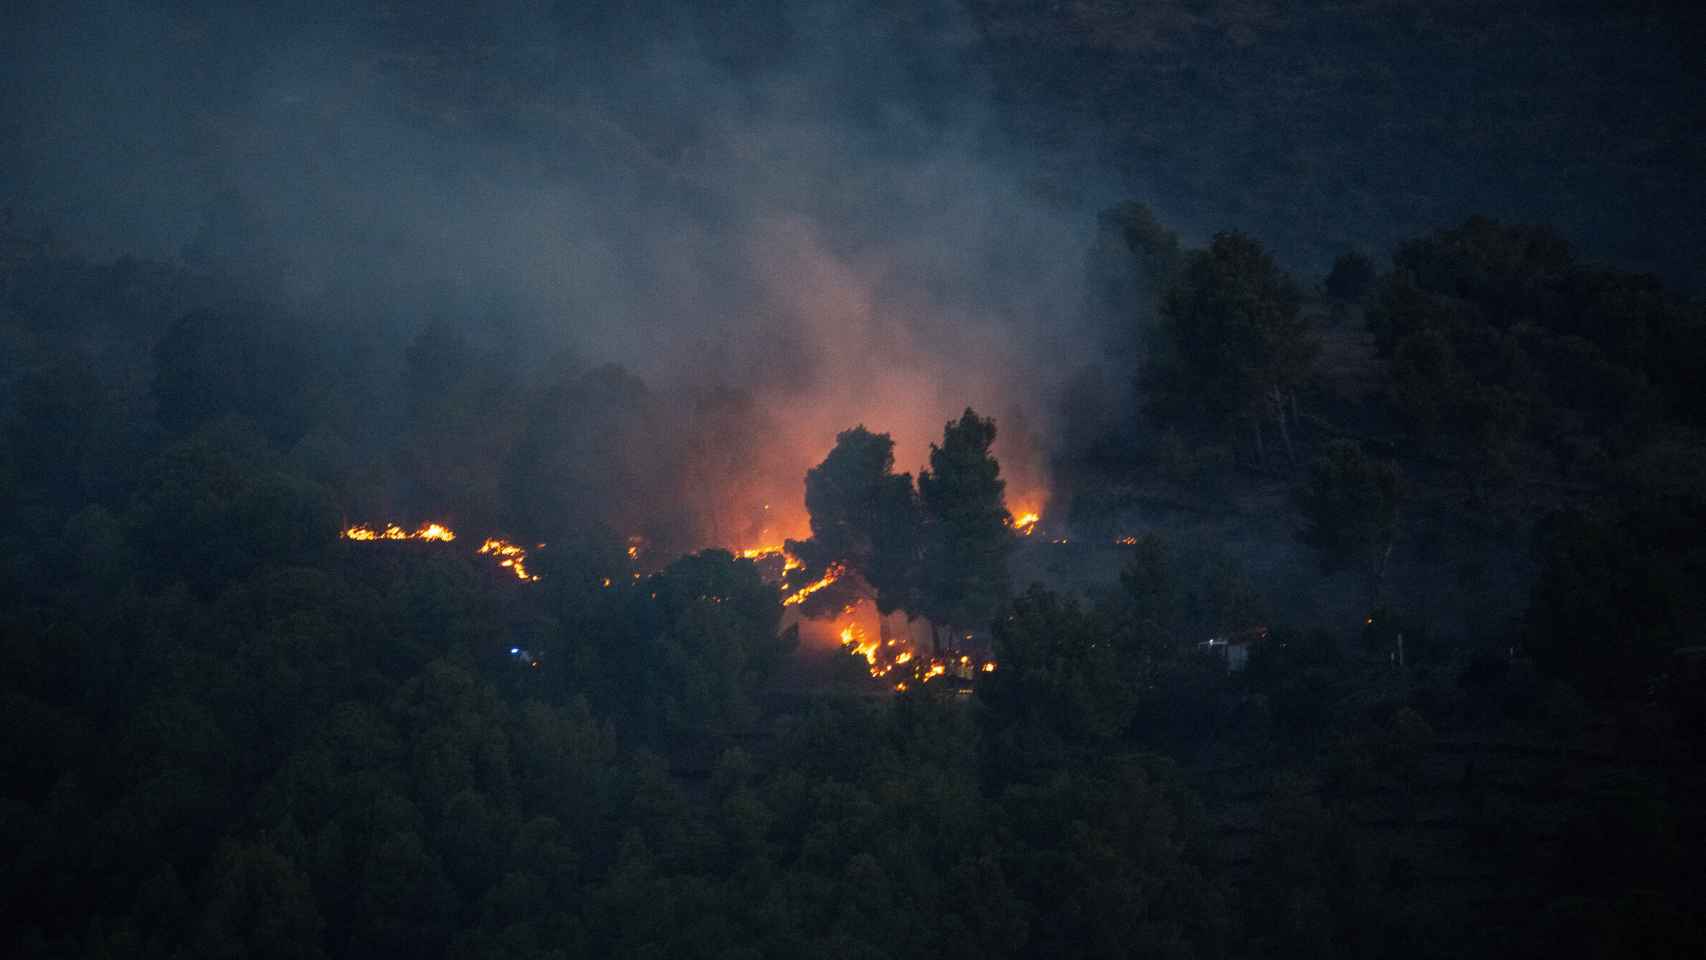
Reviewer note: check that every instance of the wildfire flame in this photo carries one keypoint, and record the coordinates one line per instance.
(881, 656)
(769, 553)
(790, 562)
(895, 654)
(510, 557)
(853, 637)
(429, 531)
(830, 576)
(1025, 522)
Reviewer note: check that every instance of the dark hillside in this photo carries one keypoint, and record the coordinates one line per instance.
(1324, 126)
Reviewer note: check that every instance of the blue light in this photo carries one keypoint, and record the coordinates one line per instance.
(515, 651)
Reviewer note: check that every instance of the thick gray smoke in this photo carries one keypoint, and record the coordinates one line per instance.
(809, 202)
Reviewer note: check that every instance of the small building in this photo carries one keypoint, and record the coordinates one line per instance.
(1235, 647)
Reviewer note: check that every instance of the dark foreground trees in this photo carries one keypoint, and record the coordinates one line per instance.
(1350, 510)
(1236, 347)
(232, 734)
(968, 539)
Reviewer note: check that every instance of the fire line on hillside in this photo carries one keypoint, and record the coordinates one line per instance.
(883, 656)
(510, 556)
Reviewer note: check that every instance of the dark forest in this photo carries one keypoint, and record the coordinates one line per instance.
(1216, 479)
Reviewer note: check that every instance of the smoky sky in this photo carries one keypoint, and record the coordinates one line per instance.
(809, 201)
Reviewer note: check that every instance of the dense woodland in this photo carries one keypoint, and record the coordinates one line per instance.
(232, 733)
(268, 274)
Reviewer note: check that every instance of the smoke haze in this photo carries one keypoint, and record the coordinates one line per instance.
(823, 216)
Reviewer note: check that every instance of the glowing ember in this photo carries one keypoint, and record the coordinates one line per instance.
(853, 637)
(830, 576)
(894, 654)
(430, 531)
(857, 643)
(510, 557)
(790, 563)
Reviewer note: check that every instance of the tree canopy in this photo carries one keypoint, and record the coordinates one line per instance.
(866, 516)
(1237, 346)
(963, 496)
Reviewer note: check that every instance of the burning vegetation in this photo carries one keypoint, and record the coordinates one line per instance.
(509, 556)
(1025, 522)
(891, 655)
(797, 597)
(429, 531)
(933, 552)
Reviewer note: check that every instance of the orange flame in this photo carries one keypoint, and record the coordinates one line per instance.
(511, 557)
(790, 562)
(830, 576)
(1025, 522)
(429, 531)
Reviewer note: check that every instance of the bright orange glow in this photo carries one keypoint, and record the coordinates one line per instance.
(853, 637)
(799, 596)
(790, 563)
(888, 647)
(511, 557)
(1024, 522)
(429, 531)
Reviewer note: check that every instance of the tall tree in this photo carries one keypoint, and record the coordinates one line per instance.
(864, 516)
(1239, 345)
(1350, 506)
(965, 565)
